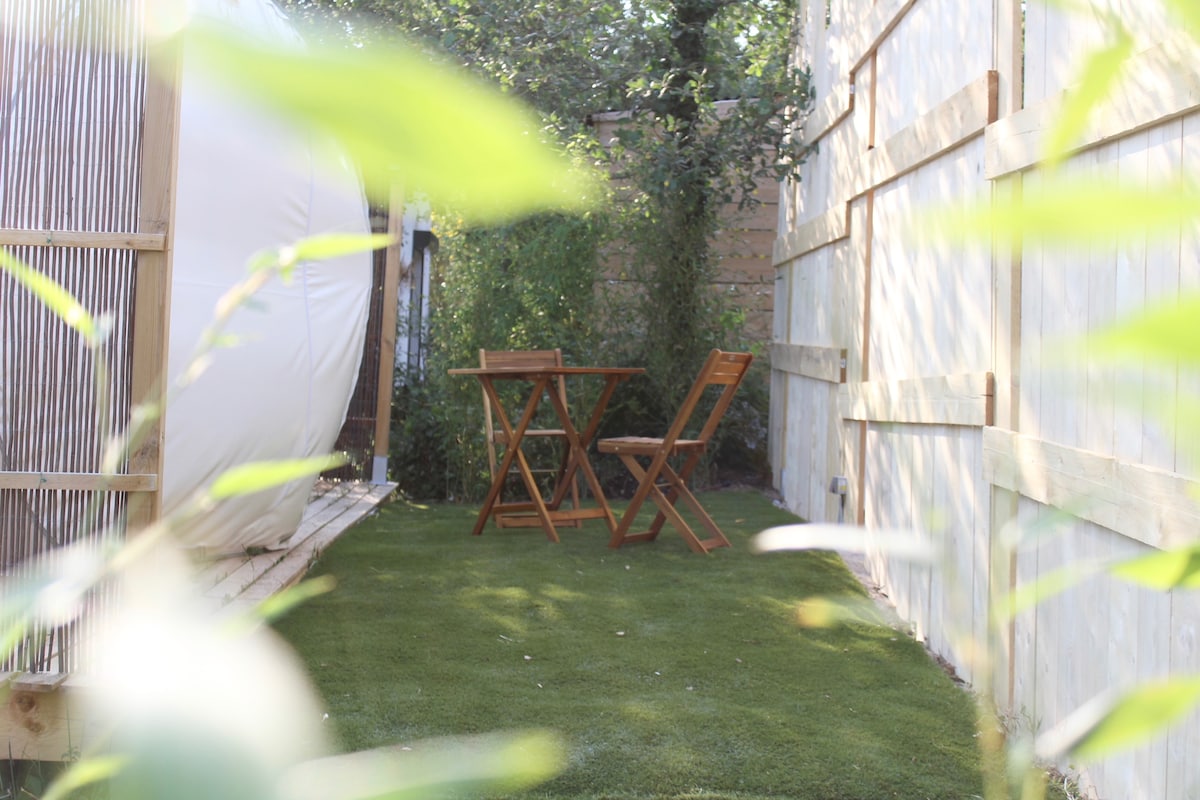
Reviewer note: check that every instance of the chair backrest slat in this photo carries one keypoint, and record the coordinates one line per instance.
(721, 368)
(515, 358)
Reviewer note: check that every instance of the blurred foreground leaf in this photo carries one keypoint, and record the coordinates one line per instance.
(1189, 12)
(256, 476)
(904, 544)
(85, 773)
(282, 602)
(1164, 570)
(53, 296)
(317, 248)
(1114, 721)
(1100, 75)
(1075, 210)
(499, 763)
(1028, 595)
(826, 612)
(402, 118)
(1166, 334)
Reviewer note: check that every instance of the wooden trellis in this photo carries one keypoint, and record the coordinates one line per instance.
(88, 140)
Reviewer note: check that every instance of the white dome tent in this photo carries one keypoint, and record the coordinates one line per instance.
(247, 182)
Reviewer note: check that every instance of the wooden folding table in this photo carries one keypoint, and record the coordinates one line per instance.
(540, 380)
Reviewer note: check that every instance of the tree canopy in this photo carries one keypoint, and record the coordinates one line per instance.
(678, 161)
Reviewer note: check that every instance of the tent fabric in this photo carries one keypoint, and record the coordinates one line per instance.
(248, 182)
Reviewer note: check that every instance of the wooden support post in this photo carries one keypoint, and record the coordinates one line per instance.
(1008, 62)
(152, 298)
(387, 338)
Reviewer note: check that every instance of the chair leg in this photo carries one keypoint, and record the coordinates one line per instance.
(666, 508)
(679, 491)
(684, 473)
(645, 485)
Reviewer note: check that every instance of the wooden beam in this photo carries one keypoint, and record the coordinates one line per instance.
(1149, 505)
(36, 681)
(963, 116)
(873, 28)
(829, 227)
(945, 400)
(1154, 90)
(77, 481)
(14, 237)
(819, 363)
(42, 725)
(826, 115)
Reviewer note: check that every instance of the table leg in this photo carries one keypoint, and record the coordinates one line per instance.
(513, 452)
(578, 445)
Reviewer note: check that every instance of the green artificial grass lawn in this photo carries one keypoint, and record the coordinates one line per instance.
(666, 673)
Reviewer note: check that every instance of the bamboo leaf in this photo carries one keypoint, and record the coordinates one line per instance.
(1073, 211)
(1189, 12)
(904, 544)
(1164, 570)
(53, 296)
(257, 476)
(317, 248)
(503, 763)
(1166, 334)
(401, 117)
(827, 612)
(1113, 721)
(1100, 74)
(85, 773)
(281, 603)
(1028, 595)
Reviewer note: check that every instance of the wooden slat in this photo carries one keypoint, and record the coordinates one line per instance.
(820, 363)
(1149, 505)
(946, 400)
(831, 226)
(110, 241)
(77, 481)
(963, 116)
(1153, 91)
(36, 682)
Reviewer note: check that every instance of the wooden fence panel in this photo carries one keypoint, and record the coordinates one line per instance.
(952, 102)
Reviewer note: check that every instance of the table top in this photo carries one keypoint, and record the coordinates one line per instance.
(519, 373)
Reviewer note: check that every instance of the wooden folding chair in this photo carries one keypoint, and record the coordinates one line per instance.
(496, 437)
(658, 480)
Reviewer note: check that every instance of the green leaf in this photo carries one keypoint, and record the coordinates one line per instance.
(1073, 211)
(501, 763)
(1189, 12)
(1165, 570)
(1166, 334)
(1028, 595)
(1100, 74)
(53, 296)
(1113, 721)
(85, 773)
(318, 248)
(257, 476)
(403, 119)
(280, 603)
(827, 612)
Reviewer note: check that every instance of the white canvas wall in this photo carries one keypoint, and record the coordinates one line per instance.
(248, 182)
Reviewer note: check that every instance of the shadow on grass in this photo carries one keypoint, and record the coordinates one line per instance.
(666, 673)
